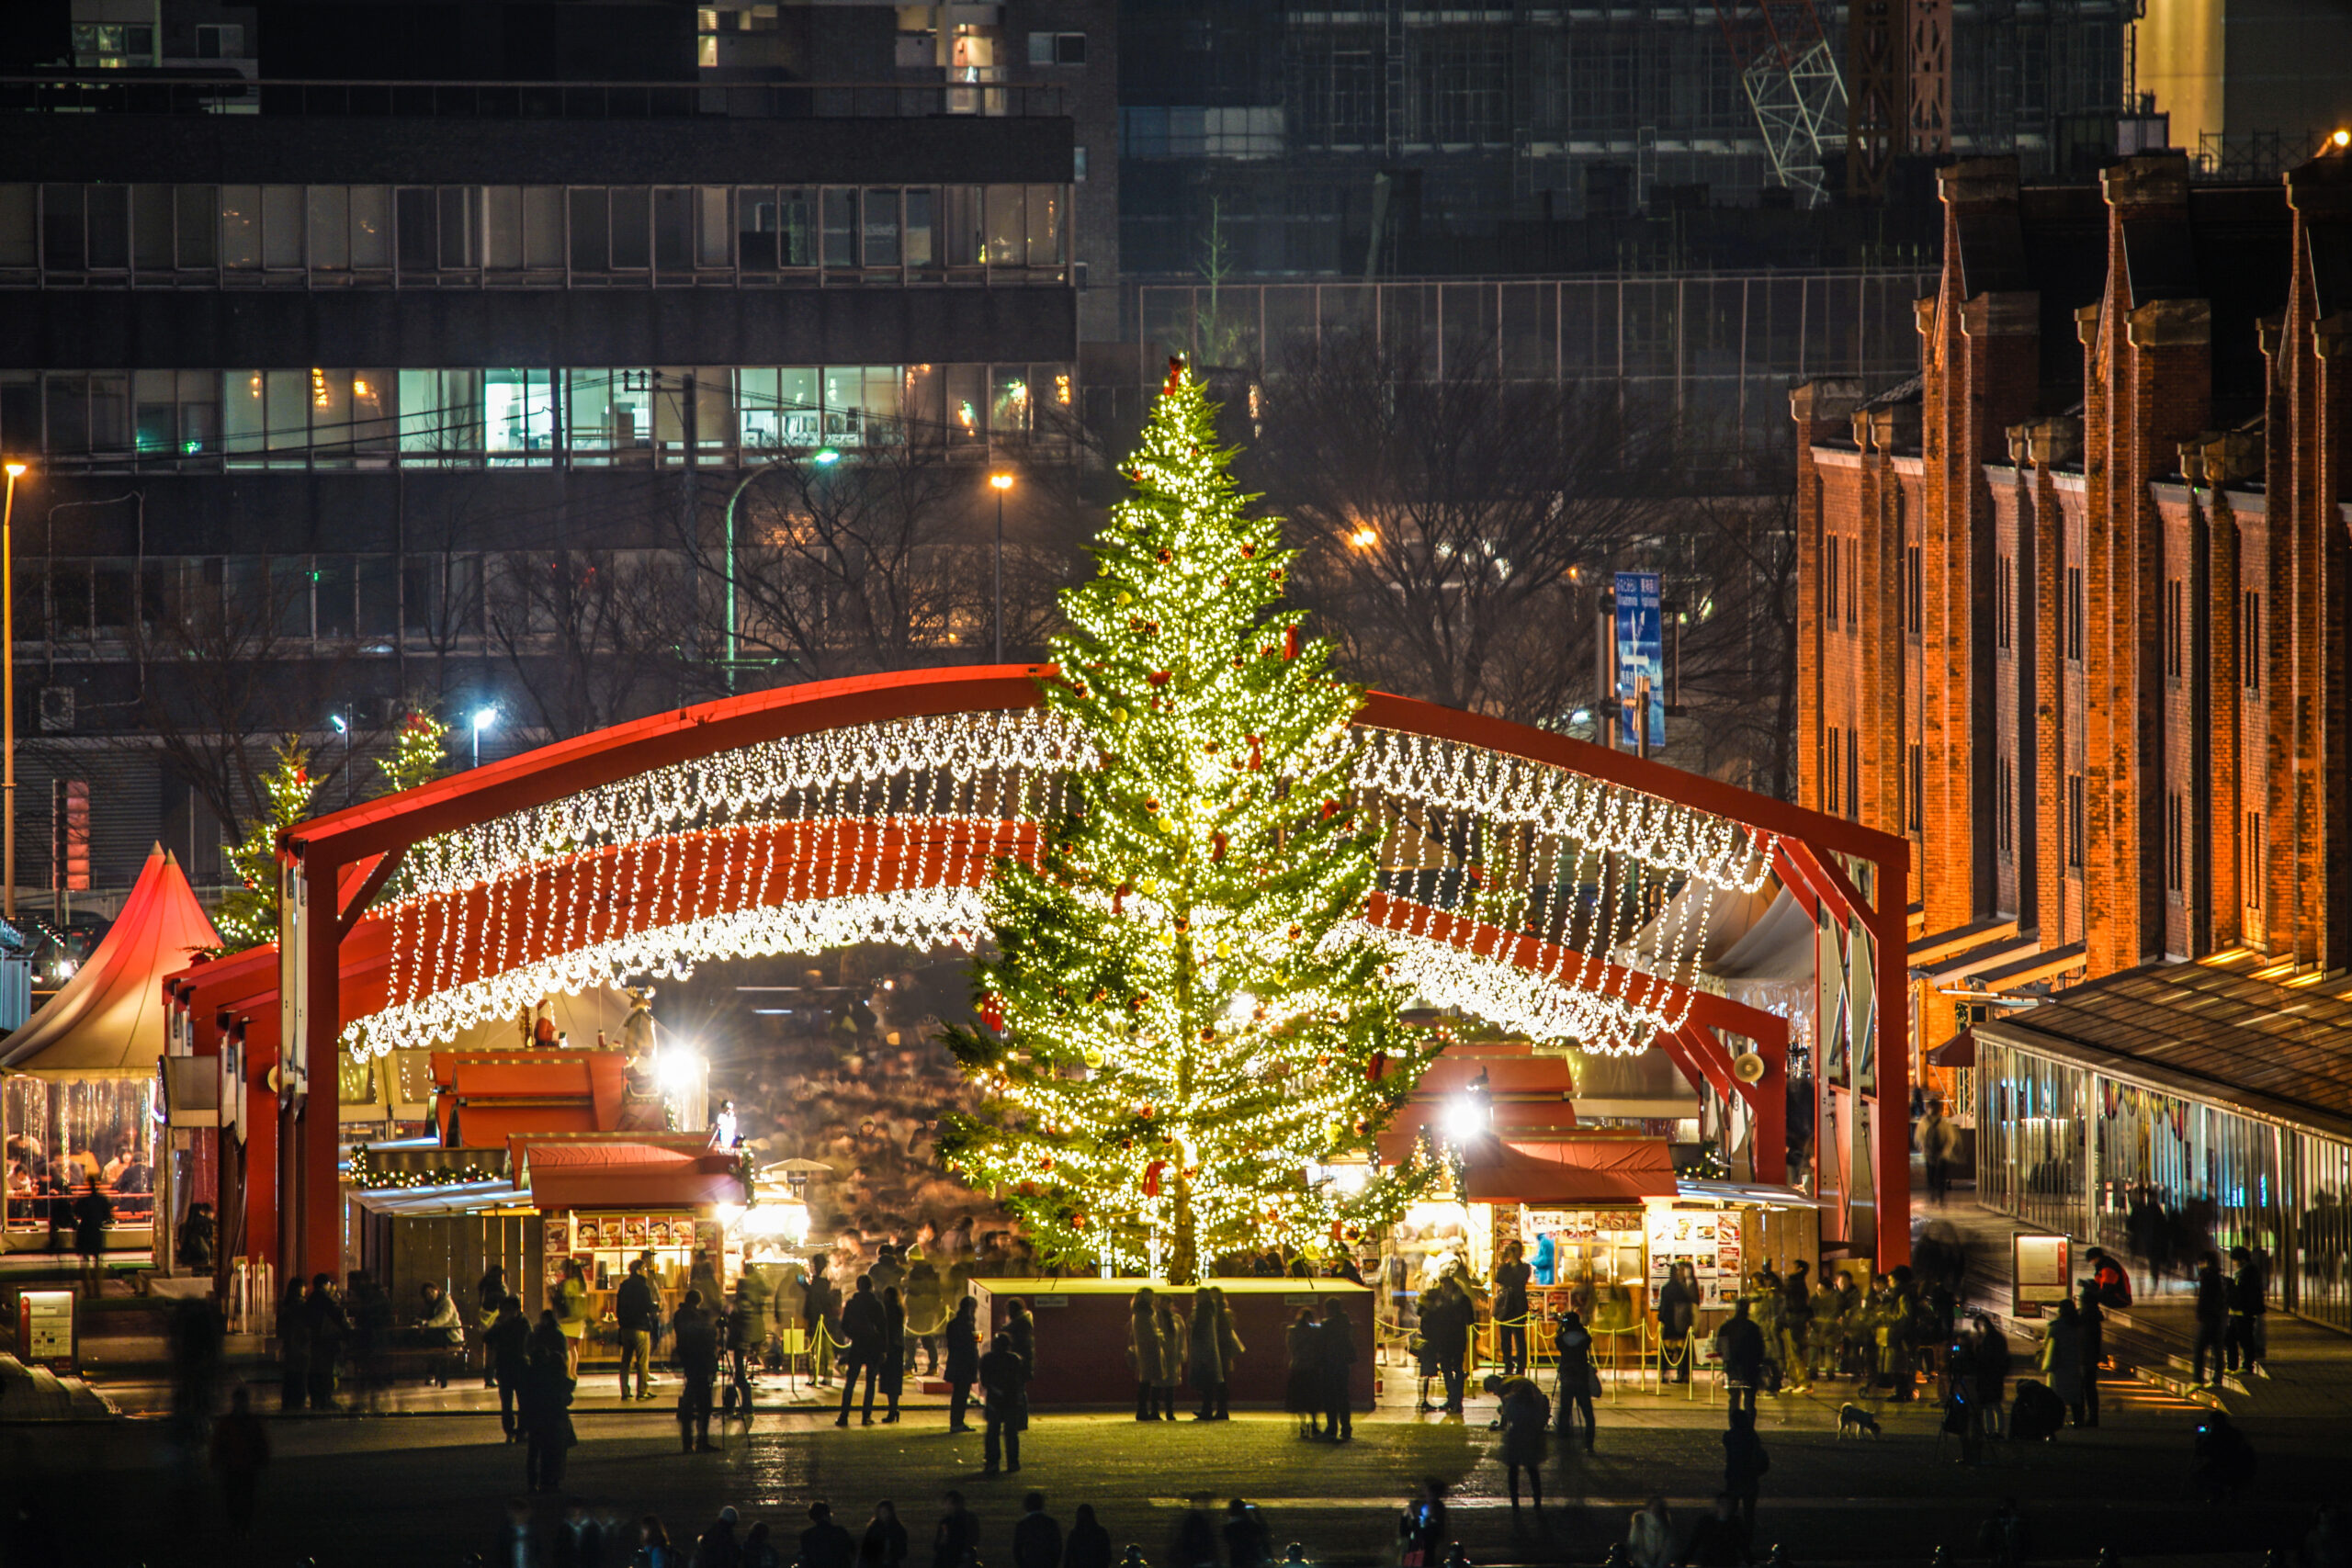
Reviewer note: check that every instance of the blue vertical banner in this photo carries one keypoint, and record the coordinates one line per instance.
(1641, 650)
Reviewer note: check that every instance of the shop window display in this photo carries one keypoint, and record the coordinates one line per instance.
(62, 1136)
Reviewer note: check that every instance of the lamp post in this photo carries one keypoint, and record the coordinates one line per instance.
(483, 718)
(9, 682)
(342, 722)
(824, 457)
(1000, 483)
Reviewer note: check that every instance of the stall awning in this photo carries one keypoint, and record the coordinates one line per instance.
(486, 1097)
(1960, 1051)
(107, 1020)
(1568, 1173)
(618, 1175)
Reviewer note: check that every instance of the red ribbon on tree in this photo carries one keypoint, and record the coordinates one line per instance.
(992, 1012)
(1151, 1177)
(1175, 377)
(1290, 641)
(1376, 1067)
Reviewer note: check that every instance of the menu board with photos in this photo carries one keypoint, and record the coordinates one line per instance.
(1707, 1239)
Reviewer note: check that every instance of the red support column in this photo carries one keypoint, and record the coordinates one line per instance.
(318, 1129)
(1891, 1109)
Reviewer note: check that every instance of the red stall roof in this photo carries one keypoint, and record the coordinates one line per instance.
(632, 1174)
(1569, 1172)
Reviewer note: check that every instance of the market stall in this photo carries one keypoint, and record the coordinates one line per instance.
(80, 1095)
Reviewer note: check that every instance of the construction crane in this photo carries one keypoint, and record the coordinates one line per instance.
(1791, 75)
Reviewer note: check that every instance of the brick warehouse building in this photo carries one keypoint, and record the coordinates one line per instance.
(2073, 613)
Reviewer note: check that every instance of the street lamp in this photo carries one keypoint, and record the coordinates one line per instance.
(483, 718)
(343, 726)
(1000, 483)
(8, 681)
(824, 457)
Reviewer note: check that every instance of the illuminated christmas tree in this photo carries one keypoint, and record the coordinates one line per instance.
(248, 915)
(1183, 1028)
(419, 753)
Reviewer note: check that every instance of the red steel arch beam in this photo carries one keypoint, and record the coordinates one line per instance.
(328, 845)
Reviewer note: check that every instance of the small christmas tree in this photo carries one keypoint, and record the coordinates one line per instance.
(419, 753)
(248, 917)
(1180, 1034)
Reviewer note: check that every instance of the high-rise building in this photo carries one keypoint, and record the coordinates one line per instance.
(316, 318)
(2073, 606)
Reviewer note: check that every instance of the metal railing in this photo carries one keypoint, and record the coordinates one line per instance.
(118, 92)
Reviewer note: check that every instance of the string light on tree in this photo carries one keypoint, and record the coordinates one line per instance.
(248, 915)
(1178, 1029)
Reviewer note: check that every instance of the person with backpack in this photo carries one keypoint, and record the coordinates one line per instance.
(1739, 1346)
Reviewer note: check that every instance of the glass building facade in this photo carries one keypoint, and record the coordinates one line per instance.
(2158, 1174)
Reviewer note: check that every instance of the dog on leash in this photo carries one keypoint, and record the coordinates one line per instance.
(1855, 1421)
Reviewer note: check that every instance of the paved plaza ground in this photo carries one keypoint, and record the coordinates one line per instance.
(420, 1489)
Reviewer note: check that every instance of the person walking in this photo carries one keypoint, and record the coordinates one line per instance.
(92, 1214)
(546, 1406)
(1677, 1309)
(1037, 1538)
(746, 1332)
(2212, 1317)
(825, 1544)
(1579, 1377)
(637, 1313)
(1336, 1370)
(1145, 1351)
(1649, 1536)
(1796, 1326)
(1825, 1348)
(1174, 1336)
(963, 1333)
(1745, 1462)
(2248, 1342)
(863, 1331)
(1739, 1347)
(1992, 1359)
(955, 1541)
(572, 1312)
(884, 1545)
(1088, 1545)
(894, 1351)
(1004, 1386)
(1939, 1140)
(506, 1346)
(2062, 1358)
(2092, 1319)
(240, 1453)
(1302, 1379)
(327, 1329)
(441, 1328)
(1526, 1420)
(694, 1336)
(1512, 1276)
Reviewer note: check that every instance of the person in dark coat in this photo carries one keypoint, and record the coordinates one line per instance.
(1445, 1312)
(2223, 1464)
(1739, 1346)
(1526, 1417)
(1004, 1387)
(1020, 1323)
(1512, 1276)
(1303, 1382)
(1745, 1462)
(1574, 1345)
(894, 1351)
(863, 1329)
(1336, 1367)
(547, 1407)
(819, 1310)
(955, 1541)
(2092, 1320)
(1677, 1308)
(1145, 1351)
(92, 1215)
(694, 1345)
(1088, 1545)
(2212, 1317)
(1204, 1356)
(1174, 1335)
(1248, 1543)
(1992, 1358)
(825, 1544)
(884, 1545)
(507, 1346)
(637, 1313)
(328, 1328)
(2249, 1306)
(1037, 1538)
(962, 1360)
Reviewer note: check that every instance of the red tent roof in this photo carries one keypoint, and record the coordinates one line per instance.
(107, 1020)
(626, 1174)
(1569, 1172)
